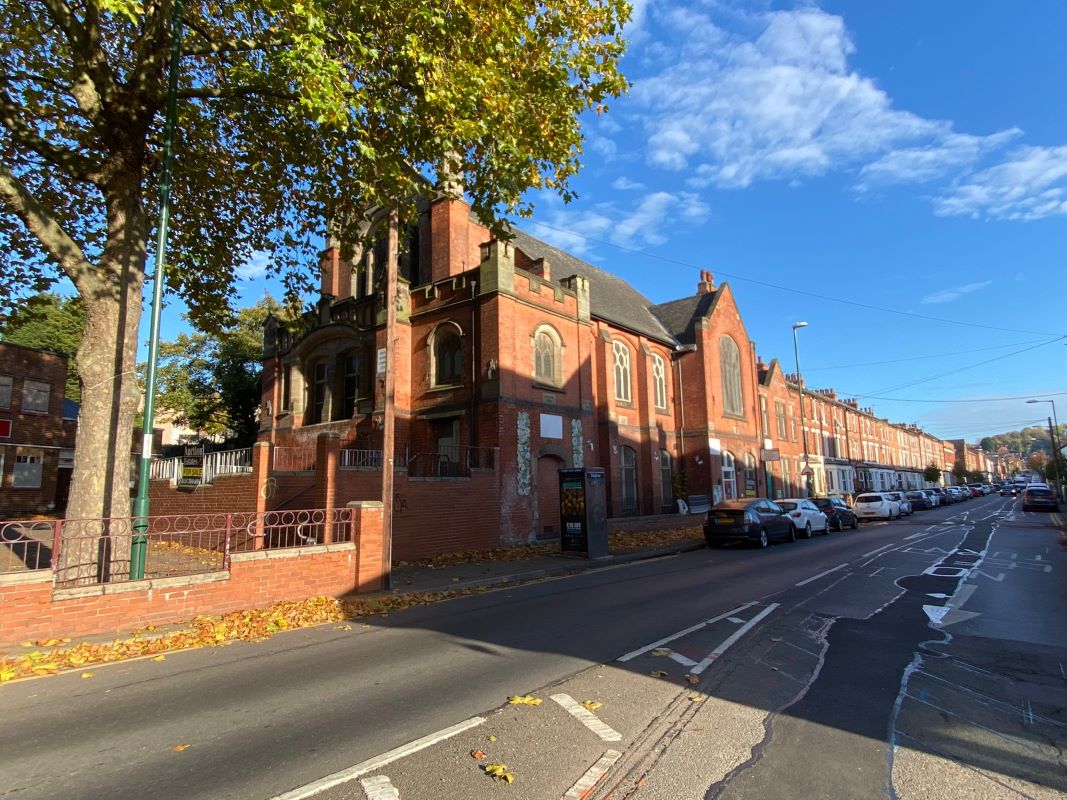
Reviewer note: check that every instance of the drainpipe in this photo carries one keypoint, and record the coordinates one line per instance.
(475, 368)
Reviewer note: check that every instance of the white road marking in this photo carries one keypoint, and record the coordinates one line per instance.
(914, 536)
(722, 648)
(806, 581)
(686, 632)
(370, 765)
(380, 788)
(588, 718)
(735, 620)
(880, 549)
(592, 776)
(685, 662)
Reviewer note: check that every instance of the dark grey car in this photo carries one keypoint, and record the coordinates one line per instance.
(755, 520)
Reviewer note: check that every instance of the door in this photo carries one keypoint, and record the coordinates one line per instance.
(546, 512)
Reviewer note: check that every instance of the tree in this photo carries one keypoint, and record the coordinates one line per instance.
(289, 114)
(212, 383)
(50, 322)
(932, 473)
(1037, 462)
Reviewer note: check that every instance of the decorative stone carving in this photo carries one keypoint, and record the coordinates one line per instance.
(577, 450)
(522, 477)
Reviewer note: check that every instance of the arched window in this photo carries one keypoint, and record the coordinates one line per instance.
(622, 371)
(446, 353)
(750, 474)
(730, 361)
(548, 356)
(729, 477)
(659, 381)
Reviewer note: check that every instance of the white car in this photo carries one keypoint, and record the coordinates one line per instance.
(805, 515)
(876, 505)
(901, 499)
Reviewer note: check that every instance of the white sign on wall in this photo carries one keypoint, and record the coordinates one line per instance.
(551, 426)
(715, 447)
(381, 360)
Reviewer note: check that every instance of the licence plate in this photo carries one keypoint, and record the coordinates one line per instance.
(724, 520)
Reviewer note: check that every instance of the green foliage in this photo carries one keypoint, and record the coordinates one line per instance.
(212, 383)
(932, 473)
(1025, 441)
(50, 322)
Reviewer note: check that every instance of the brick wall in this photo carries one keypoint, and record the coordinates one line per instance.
(227, 493)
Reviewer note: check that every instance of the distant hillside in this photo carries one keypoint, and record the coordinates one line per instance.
(1026, 441)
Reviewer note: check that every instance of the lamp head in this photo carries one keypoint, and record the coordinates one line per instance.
(799, 325)
(1032, 401)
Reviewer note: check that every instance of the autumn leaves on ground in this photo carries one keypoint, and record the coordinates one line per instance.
(50, 656)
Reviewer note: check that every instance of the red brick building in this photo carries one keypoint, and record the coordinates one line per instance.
(516, 359)
(38, 426)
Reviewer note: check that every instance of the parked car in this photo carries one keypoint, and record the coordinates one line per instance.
(806, 516)
(837, 512)
(976, 491)
(935, 498)
(959, 493)
(919, 500)
(876, 505)
(752, 520)
(1038, 498)
(945, 498)
(902, 501)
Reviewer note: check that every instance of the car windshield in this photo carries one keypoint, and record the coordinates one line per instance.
(869, 498)
(786, 506)
(823, 502)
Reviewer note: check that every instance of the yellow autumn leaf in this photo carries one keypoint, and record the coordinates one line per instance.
(499, 772)
(88, 674)
(492, 738)
(658, 673)
(507, 777)
(160, 658)
(524, 700)
(180, 747)
(344, 627)
(591, 705)
(661, 651)
(695, 698)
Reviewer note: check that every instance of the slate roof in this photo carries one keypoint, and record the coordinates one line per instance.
(680, 316)
(610, 297)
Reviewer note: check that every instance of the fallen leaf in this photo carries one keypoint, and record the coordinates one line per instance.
(658, 673)
(179, 747)
(160, 658)
(499, 772)
(344, 627)
(524, 700)
(694, 679)
(695, 698)
(591, 705)
(478, 754)
(492, 738)
(88, 674)
(661, 651)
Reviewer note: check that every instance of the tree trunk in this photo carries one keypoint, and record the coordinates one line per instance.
(97, 530)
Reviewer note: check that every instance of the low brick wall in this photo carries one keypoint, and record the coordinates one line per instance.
(30, 610)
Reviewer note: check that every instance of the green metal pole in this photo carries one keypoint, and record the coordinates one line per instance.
(139, 545)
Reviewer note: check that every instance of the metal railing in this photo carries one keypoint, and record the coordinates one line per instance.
(223, 462)
(294, 459)
(361, 459)
(452, 462)
(165, 469)
(85, 552)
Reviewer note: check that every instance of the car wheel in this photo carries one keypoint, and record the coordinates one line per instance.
(807, 530)
(763, 540)
(855, 523)
(792, 532)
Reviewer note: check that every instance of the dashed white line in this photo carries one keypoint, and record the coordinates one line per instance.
(821, 574)
(592, 776)
(879, 550)
(685, 662)
(588, 718)
(914, 536)
(370, 765)
(380, 788)
(722, 648)
(686, 632)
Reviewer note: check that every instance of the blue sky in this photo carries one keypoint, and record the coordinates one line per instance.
(908, 156)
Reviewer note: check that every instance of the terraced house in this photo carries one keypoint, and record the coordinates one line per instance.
(514, 359)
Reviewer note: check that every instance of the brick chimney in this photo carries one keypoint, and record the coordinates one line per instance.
(449, 237)
(707, 282)
(335, 274)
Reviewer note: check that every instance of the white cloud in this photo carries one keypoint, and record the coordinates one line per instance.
(624, 184)
(255, 267)
(774, 97)
(647, 222)
(1031, 183)
(948, 295)
(603, 146)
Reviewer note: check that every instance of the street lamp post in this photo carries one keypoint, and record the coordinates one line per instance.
(1054, 430)
(806, 472)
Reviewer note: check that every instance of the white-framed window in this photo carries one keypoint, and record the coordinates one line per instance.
(6, 383)
(659, 380)
(729, 476)
(548, 356)
(764, 417)
(622, 371)
(446, 355)
(730, 362)
(35, 396)
(779, 413)
(29, 468)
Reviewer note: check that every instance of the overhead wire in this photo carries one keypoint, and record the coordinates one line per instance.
(920, 358)
(823, 297)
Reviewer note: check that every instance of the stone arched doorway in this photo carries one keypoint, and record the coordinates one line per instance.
(546, 511)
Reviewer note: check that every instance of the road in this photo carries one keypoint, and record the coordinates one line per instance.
(919, 659)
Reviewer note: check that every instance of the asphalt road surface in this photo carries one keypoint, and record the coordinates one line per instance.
(924, 658)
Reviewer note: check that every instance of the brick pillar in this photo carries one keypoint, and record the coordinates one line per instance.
(262, 463)
(327, 457)
(368, 536)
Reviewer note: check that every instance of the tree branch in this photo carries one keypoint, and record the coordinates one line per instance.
(75, 164)
(209, 92)
(44, 226)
